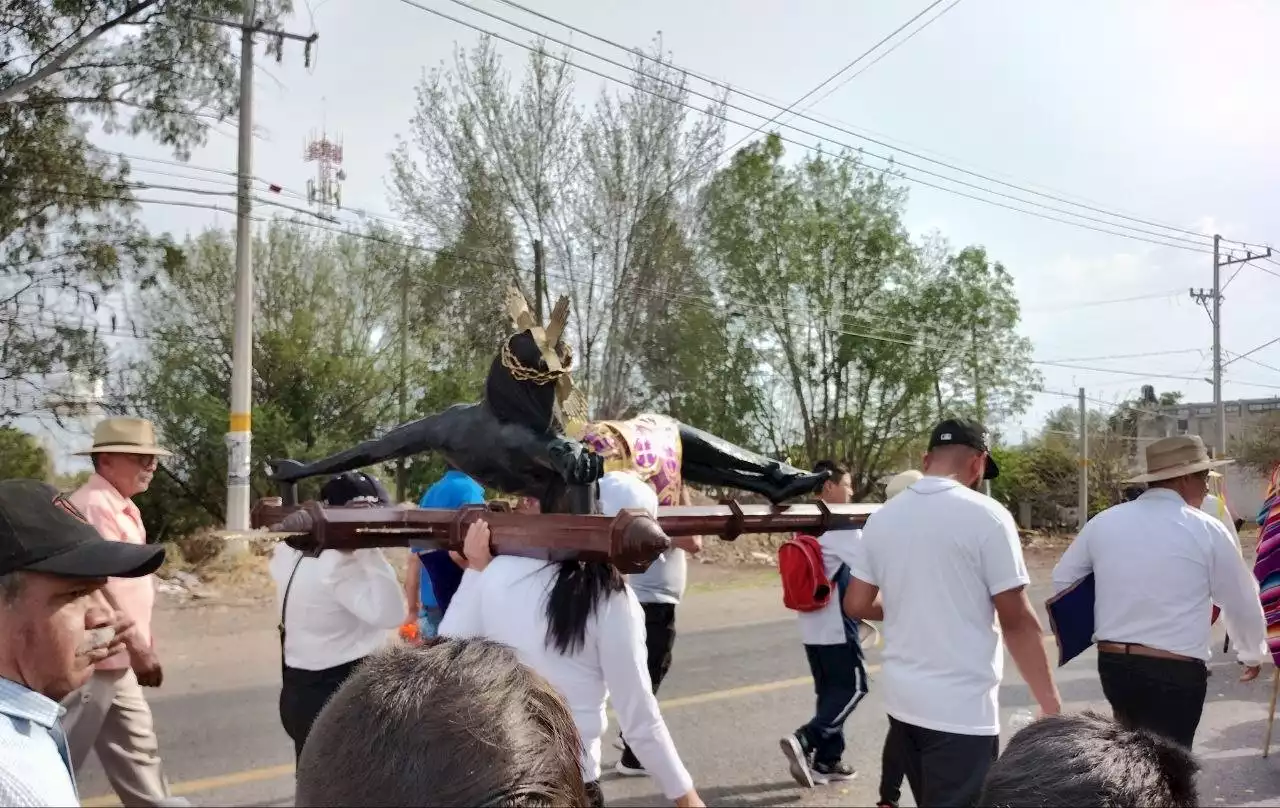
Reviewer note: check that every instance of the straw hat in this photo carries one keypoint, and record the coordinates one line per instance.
(125, 436)
(1178, 456)
(901, 482)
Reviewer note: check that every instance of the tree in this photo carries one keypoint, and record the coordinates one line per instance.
(1259, 448)
(22, 456)
(68, 238)
(817, 259)
(324, 373)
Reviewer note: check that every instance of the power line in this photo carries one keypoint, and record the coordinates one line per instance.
(1253, 351)
(1199, 247)
(836, 74)
(758, 99)
(1129, 356)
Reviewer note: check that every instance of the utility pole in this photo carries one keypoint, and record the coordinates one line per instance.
(240, 431)
(539, 279)
(401, 477)
(1212, 301)
(1083, 505)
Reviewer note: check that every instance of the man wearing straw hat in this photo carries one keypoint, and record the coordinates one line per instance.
(1159, 563)
(110, 714)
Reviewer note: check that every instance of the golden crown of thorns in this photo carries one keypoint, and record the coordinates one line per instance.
(558, 363)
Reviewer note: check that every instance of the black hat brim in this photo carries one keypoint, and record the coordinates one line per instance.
(100, 558)
(993, 471)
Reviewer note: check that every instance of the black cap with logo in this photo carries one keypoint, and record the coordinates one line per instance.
(41, 531)
(965, 432)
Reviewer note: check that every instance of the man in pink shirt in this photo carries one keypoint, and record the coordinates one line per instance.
(110, 714)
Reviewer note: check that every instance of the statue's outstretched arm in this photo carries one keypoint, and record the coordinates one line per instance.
(439, 432)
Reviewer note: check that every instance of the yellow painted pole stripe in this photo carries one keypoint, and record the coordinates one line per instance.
(241, 422)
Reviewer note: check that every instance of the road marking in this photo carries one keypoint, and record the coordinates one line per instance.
(182, 789)
(240, 778)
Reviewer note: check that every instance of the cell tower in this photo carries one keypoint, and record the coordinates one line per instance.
(325, 191)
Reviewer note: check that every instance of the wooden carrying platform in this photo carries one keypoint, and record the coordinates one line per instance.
(632, 540)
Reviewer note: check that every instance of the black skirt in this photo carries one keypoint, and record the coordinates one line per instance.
(303, 694)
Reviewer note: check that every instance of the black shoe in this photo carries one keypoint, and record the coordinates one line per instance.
(797, 759)
(824, 773)
(629, 766)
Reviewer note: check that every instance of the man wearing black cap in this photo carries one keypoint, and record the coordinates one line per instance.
(938, 564)
(51, 635)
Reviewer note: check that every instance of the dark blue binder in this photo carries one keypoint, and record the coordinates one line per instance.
(1071, 617)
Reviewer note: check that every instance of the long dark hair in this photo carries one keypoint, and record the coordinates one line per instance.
(580, 588)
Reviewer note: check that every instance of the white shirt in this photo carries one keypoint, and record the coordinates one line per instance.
(507, 603)
(939, 552)
(341, 605)
(826, 626)
(1158, 564)
(35, 766)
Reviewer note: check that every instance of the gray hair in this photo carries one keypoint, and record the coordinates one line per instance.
(10, 587)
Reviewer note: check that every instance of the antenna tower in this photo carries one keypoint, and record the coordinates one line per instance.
(325, 191)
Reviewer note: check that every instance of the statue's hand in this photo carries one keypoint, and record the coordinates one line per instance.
(285, 471)
(577, 464)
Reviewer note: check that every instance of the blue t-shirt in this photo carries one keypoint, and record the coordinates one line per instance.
(453, 490)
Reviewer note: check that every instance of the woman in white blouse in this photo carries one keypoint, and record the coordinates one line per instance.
(335, 609)
(580, 626)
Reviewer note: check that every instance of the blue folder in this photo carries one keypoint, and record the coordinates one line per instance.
(1071, 617)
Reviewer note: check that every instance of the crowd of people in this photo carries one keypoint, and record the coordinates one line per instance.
(503, 701)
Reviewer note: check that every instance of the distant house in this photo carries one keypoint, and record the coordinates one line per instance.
(1245, 489)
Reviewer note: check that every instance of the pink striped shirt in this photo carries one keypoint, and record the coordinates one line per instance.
(118, 519)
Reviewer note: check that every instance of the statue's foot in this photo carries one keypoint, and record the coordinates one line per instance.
(286, 471)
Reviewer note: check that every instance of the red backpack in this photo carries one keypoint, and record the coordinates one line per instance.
(805, 586)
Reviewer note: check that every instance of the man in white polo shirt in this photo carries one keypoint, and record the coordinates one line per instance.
(1159, 563)
(939, 563)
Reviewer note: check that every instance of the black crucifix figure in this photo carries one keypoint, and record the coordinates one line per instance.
(528, 436)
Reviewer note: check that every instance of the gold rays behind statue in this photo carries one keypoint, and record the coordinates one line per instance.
(572, 403)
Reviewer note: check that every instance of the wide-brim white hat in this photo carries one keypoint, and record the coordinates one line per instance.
(126, 436)
(1179, 456)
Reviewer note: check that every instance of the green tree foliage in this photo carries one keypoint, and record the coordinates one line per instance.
(22, 456)
(816, 258)
(1259, 448)
(68, 238)
(324, 359)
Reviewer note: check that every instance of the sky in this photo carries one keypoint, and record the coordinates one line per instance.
(1160, 109)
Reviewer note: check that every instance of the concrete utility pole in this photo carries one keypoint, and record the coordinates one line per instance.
(1213, 299)
(240, 428)
(1083, 516)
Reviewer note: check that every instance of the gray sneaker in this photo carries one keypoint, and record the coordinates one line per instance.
(797, 760)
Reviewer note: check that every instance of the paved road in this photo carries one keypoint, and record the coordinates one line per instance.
(739, 682)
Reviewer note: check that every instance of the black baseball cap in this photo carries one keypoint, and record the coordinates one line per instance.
(964, 432)
(41, 531)
(351, 485)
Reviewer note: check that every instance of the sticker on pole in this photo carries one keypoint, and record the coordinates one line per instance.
(238, 458)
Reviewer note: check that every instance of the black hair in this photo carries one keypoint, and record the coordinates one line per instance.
(524, 401)
(836, 470)
(579, 590)
(1087, 759)
(460, 722)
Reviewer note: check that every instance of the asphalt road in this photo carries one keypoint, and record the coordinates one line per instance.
(739, 682)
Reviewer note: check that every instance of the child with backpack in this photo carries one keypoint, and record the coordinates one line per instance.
(815, 573)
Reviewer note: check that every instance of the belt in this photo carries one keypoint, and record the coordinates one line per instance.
(1138, 649)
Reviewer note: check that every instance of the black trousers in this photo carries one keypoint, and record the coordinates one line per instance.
(659, 641)
(1162, 695)
(303, 695)
(945, 769)
(840, 683)
(892, 773)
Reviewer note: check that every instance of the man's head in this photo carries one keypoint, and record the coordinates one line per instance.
(1180, 464)
(458, 723)
(837, 489)
(1087, 759)
(125, 454)
(958, 448)
(51, 562)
